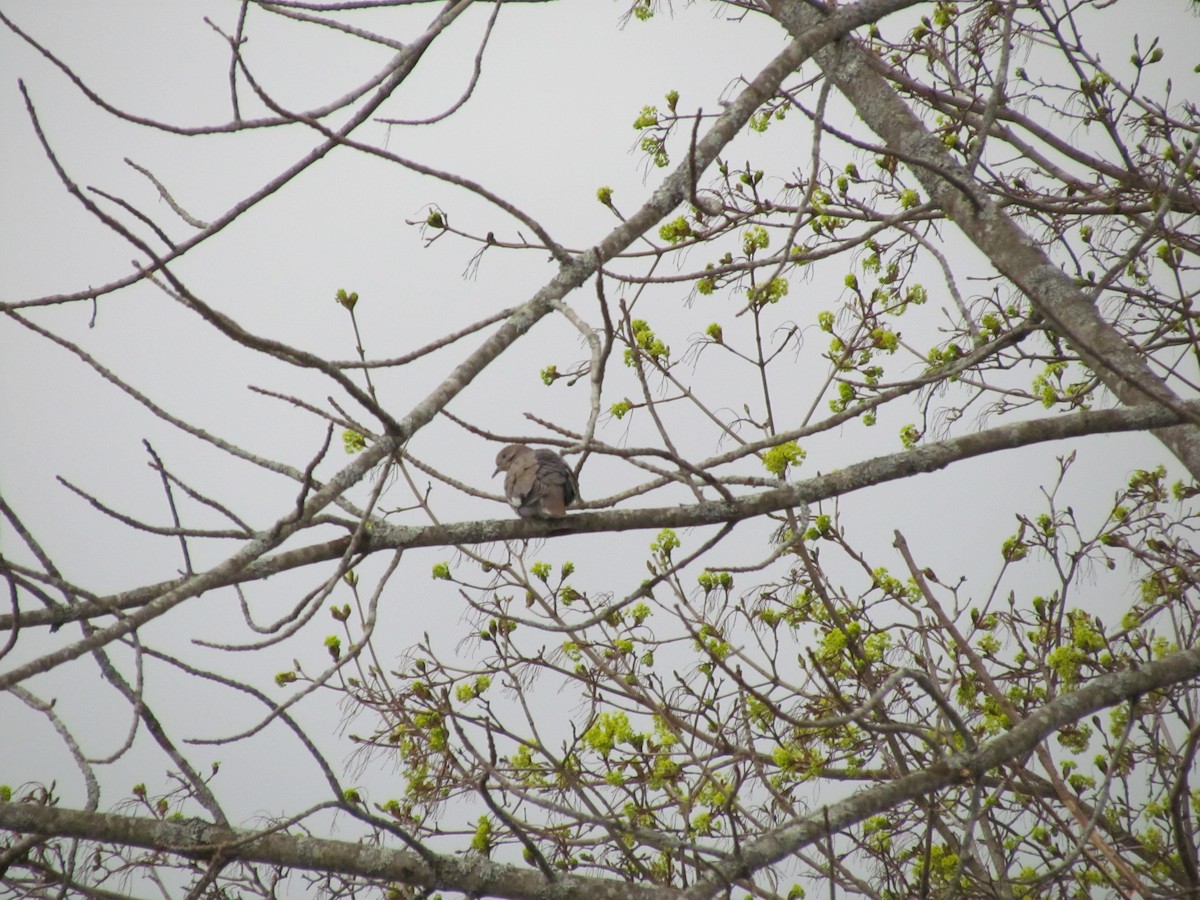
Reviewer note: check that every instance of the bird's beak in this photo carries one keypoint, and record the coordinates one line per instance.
(497, 472)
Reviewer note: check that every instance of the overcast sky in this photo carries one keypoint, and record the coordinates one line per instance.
(549, 123)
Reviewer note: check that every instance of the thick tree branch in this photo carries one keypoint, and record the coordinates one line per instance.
(199, 839)
(195, 838)
(959, 768)
(1119, 365)
(880, 470)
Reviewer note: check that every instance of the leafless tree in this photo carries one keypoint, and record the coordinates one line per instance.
(970, 238)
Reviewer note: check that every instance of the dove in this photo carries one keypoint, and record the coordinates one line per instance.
(538, 483)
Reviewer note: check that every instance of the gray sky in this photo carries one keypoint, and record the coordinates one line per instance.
(541, 139)
(547, 126)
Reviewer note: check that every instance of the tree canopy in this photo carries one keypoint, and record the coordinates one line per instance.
(872, 346)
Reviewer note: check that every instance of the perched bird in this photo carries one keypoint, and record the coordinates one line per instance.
(538, 483)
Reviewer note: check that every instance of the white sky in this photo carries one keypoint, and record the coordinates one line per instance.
(548, 125)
